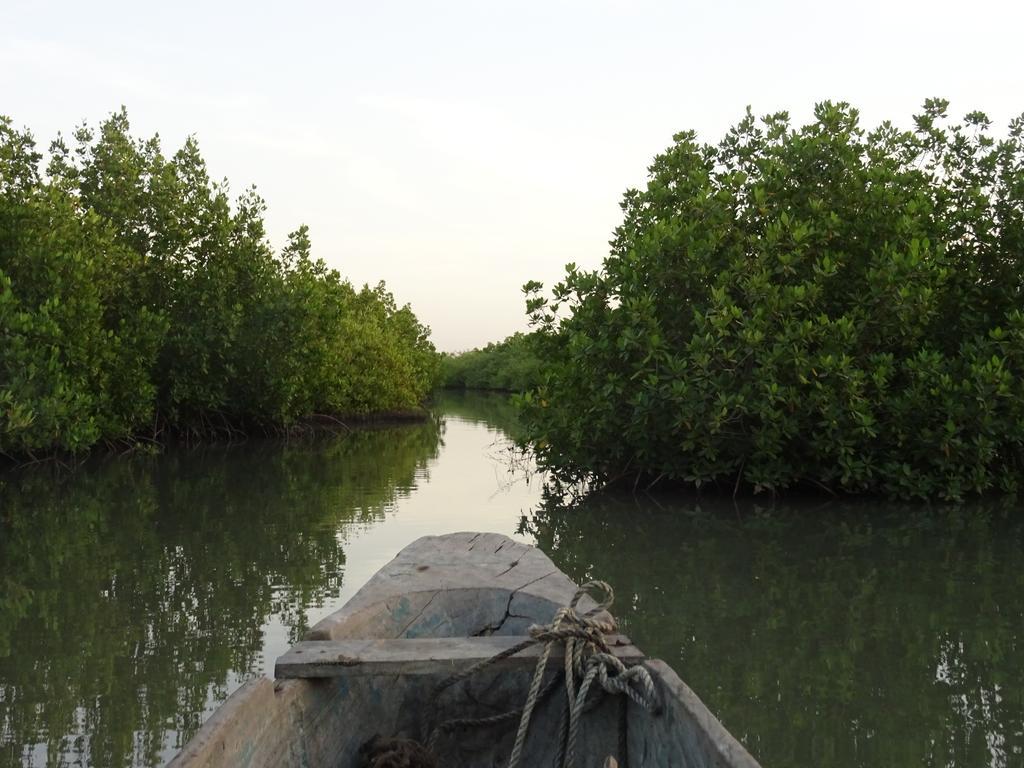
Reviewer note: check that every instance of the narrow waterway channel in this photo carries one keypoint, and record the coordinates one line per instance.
(138, 592)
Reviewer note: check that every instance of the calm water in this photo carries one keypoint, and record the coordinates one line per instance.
(139, 592)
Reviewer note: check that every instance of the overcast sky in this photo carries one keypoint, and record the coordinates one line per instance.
(458, 149)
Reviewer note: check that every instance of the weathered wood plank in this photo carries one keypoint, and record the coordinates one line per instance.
(428, 588)
(418, 656)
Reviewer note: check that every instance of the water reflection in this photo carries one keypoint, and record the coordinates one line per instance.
(849, 635)
(495, 410)
(135, 592)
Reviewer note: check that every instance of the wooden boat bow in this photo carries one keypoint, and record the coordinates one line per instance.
(442, 605)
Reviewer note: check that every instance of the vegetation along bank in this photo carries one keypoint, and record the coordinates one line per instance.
(823, 306)
(137, 298)
(511, 365)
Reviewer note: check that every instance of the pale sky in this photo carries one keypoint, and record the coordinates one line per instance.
(458, 149)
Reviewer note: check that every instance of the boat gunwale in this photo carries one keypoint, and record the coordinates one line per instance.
(258, 703)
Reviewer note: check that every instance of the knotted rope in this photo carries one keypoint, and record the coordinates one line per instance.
(587, 658)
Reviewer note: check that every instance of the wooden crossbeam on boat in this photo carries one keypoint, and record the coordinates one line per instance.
(420, 656)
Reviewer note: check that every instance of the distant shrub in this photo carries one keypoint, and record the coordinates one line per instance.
(821, 306)
(510, 366)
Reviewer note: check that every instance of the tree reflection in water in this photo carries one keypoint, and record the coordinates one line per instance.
(849, 634)
(135, 592)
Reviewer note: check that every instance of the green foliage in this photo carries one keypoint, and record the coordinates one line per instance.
(821, 305)
(75, 351)
(511, 365)
(133, 293)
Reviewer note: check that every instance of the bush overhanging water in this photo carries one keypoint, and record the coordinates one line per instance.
(821, 305)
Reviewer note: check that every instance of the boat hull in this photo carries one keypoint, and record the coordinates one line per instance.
(459, 585)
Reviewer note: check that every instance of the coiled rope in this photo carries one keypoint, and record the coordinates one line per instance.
(587, 658)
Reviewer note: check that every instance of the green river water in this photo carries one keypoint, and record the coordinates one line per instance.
(137, 592)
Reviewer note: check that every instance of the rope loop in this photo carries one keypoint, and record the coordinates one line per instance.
(602, 605)
(588, 658)
(634, 682)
